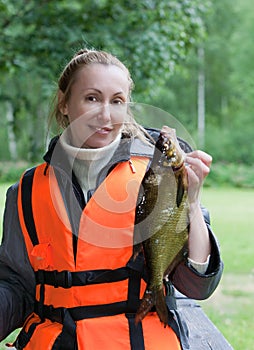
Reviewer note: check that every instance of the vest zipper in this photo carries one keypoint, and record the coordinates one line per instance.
(133, 169)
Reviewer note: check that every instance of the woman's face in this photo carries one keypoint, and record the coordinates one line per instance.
(97, 105)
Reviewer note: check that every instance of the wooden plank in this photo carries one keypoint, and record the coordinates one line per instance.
(203, 333)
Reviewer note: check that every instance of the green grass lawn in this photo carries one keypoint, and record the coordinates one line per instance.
(231, 306)
(232, 217)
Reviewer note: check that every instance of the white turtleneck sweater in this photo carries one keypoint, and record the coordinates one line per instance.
(88, 162)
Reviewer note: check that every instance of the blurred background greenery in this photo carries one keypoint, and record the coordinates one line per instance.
(191, 58)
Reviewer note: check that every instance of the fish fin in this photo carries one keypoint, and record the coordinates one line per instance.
(137, 248)
(181, 256)
(180, 191)
(147, 303)
(150, 299)
(161, 307)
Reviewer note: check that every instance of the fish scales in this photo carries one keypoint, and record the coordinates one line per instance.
(162, 220)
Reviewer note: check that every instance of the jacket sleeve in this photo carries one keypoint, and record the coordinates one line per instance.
(17, 282)
(194, 284)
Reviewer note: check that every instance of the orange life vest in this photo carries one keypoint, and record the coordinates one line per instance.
(87, 299)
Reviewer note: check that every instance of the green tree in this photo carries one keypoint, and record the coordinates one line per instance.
(242, 76)
(37, 38)
(228, 61)
(151, 35)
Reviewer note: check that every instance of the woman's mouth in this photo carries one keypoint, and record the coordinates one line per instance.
(103, 130)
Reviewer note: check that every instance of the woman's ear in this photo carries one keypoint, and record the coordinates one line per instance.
(61, 103)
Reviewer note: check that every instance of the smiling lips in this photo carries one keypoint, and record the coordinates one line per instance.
(103, 130)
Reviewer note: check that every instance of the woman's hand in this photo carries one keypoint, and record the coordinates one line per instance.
(198, 167)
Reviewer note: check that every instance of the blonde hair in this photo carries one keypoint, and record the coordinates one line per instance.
(81, 59)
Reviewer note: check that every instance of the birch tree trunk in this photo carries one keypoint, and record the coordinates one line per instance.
(201, 99)
(10, 131)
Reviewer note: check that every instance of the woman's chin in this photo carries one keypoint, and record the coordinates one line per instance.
(97, 142)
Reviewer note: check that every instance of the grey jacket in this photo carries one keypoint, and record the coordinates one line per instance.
(17, 280)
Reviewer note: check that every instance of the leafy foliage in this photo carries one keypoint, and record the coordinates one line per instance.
(38, 38)
(228, 84)
(152, 35)
(157, 40)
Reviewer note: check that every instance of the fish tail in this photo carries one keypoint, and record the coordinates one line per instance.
(161, 307)
(153, 298)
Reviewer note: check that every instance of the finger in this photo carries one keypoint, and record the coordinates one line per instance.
(193, 177)
(194, 185)
(203, 156)
(198, 166)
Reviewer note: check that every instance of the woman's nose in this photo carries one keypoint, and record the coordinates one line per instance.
(104, 113)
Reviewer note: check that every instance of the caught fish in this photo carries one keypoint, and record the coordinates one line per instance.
(162, 220)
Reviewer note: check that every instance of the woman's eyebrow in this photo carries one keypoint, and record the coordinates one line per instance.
(91, 88)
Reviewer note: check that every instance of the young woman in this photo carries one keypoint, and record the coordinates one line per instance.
(68, 275)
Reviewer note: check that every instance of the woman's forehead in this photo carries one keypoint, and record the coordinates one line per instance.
(98, 75)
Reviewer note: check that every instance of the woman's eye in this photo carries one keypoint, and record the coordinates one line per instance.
(118, 101)
(91, 98)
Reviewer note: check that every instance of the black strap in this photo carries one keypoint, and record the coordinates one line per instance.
(68, 317)
(67, 279)
(26, 198)
(136, 333)
(137, 271)
(82, 312)
(136, 265)
(68, 339)
(134, 270)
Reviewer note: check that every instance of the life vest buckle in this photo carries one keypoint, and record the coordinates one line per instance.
(62, 279)
(55, 314)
